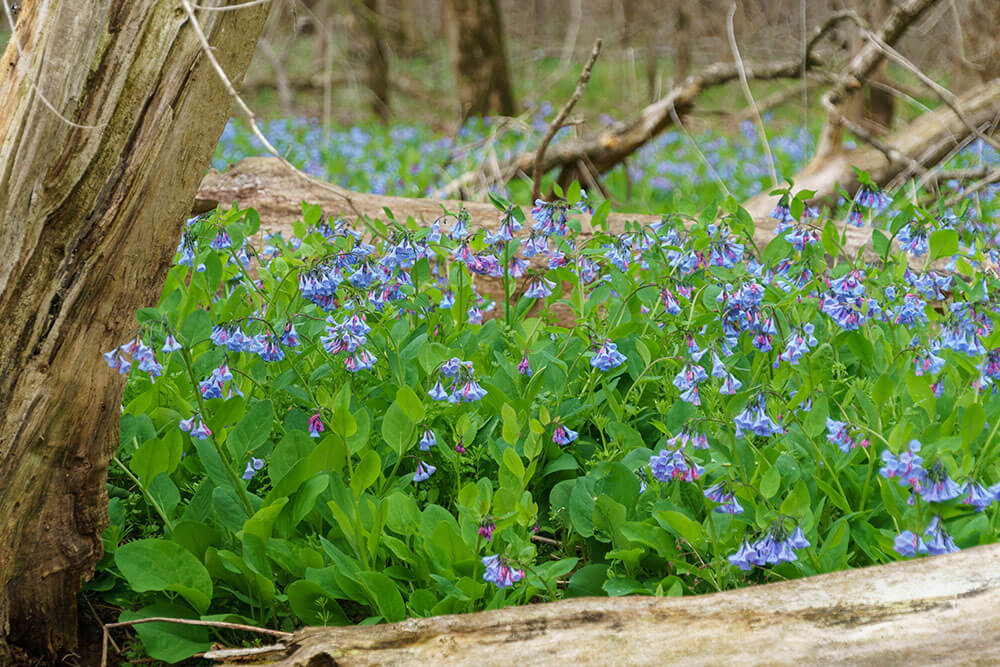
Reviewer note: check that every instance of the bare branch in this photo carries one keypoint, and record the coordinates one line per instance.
(861, 66)
(611, 146)
(560, 117)
(251, 117)
(731, 32)
(231, 8)
(945, 95)
(992, 177)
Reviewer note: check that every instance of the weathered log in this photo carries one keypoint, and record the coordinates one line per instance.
(942, 610)
(108, 117)
(928, 140)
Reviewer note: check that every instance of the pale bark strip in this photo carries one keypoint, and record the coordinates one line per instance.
(943, 610)
(90, 223)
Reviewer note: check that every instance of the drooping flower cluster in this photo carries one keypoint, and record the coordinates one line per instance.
(563, 436)
(721, 493)
(349, 336)
(670, 465)
(253, 465)
(140, 353)
(775, 546)
(500, 573)
(939, 542)
(606, 356)
(840, 434)
(463, 387)
(423, 472)
(213, 386)
(196, 427)
(754, 419)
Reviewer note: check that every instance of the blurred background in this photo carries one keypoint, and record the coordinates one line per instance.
(404, 96)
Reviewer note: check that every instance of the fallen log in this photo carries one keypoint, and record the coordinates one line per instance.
(938, 610)
(613, 145)
(928, 140)
(277, 193)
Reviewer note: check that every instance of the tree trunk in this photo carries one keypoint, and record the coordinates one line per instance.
(91, 219)
(682, 41)
(929, 611)
(377, 55)
(476, 39)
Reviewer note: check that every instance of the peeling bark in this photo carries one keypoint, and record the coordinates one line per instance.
(939, 610)
(91, 219)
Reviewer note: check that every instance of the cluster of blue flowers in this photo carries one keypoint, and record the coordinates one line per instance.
(774, 547)
(463, 387)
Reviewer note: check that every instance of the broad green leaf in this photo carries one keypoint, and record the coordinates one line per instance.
(398, 429)
(682, 526)
(366, 472)
(160, 565)
(252, 431)
(412, 406)
(973, 420)
(510, 425)
(770, 483)
(943, 243)
(169, 642)
(513, 463)
(385, 595)
(313, 604)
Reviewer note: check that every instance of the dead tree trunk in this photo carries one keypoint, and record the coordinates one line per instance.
(939, 610)
(89, 226)
(476, 39)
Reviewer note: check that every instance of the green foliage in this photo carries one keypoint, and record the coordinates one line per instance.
(274, 474)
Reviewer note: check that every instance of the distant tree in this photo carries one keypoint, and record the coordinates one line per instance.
(476, 39)
(682, 40)
(377, 57)
(641, 18)
(982, 40)
(109, 113)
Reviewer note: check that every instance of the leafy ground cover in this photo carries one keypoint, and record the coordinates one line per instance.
(337, 428)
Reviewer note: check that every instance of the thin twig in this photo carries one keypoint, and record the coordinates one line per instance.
(560, 117)
(731, 32)
(251, 117)
(546, 540)
(104, 628)
(184, 621)
(946, 96)
(891, 153)
(21, 60)
(990, 178)
(698, 152)
(231, 8)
